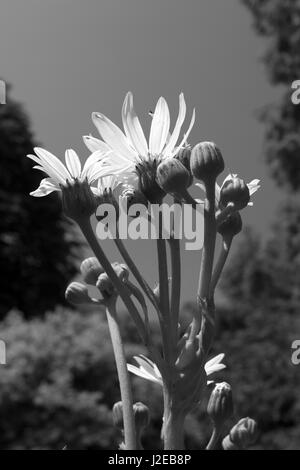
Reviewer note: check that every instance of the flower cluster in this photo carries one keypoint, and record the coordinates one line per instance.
(145, 171)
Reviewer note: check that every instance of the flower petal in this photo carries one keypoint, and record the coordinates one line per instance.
(94, 144)
(176, 132)
(73, 163)
(46, 187)
(52, 161)
(48, 169)
(113, 136)
(141, 373)
(159, 128)
(92, 160)
(133, 128)
(186, 135)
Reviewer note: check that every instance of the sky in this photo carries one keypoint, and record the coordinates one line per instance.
(68, 58)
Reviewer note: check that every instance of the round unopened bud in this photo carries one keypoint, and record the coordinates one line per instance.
(117, 413)
(91, 269)
(184, 156)
(146, 171)
(220, 405)
(172, 176)
(231, 226)
(244, 433)
(104, 282)
(105, 286)
(235, 191)
(141, 416)
(206, 161)
(78, 200)
(77, 294)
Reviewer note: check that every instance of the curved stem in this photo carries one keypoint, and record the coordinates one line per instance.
(86, 228)
(214, 439)
(226, 245)
(123, 376)
(131, 265)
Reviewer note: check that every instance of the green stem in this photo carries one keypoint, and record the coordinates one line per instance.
(226, 245)
(164, 293)
(86, 228)
(123, 376)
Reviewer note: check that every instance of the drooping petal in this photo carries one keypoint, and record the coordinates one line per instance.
(133, 128)
(46, 187)
(176, 132)
(186, 135)
(160, 127)
(73, 163)
(113, 136)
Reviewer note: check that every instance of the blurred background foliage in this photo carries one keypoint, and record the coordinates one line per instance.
(34, 270)
(60, 383)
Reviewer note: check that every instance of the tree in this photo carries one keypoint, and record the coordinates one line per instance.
(36, 242)
(279, 21)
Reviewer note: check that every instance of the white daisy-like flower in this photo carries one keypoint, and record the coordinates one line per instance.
(130, 147)
(60, 175)
(149, 371)
(253, 186)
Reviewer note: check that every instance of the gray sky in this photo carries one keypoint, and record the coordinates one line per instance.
(68, 58)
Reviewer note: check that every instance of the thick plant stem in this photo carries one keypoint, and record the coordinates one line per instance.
(176, 284)
(123, 376)
(164, 301)
(85, 226)
(173, 425)
(213, 442)
(226, 245)
(210, 232)
(207, 259)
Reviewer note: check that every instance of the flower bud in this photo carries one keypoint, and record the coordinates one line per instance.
(104, 282)
(117, 413)
(184, 156)
(77, 294)
(105, 285)
(227, 444)
(91, 269)
(146, 171)
(172, 176)
(78, 200)
(235, 191)
(206, 161)
(220, 405)
(141, 415)
(244, 433)
(231, 226)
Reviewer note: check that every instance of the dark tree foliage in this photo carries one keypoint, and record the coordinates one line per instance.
(36, 241)
(279, 22)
